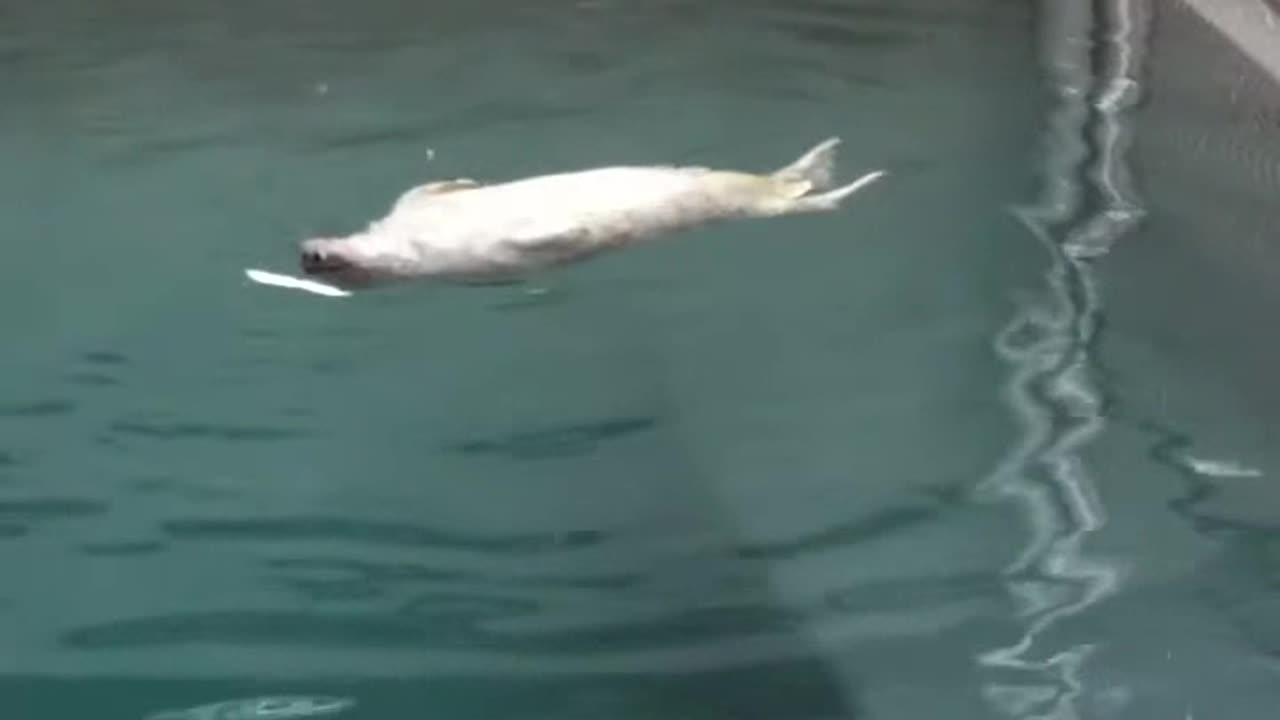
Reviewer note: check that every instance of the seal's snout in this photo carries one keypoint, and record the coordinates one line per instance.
(314, 261)
(317, 259)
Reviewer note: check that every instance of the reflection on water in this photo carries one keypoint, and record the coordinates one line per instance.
(265, 708)
(1088, 204)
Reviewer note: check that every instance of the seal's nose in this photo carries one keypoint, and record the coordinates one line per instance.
(316, 261)
(313, 261)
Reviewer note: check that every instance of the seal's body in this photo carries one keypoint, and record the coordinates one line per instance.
(462, 231)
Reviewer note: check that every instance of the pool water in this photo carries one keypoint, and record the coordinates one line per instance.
(951, 452)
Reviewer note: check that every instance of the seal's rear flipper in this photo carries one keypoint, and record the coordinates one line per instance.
(832, 199)
(816, 167)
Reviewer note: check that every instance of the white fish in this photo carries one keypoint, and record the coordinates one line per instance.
(463, 231)
(287, 281)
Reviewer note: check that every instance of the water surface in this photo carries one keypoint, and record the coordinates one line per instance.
(807, 468)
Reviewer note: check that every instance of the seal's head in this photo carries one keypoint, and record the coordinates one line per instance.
(345, 261)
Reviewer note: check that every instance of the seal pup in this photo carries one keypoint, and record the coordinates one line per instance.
(465, 232)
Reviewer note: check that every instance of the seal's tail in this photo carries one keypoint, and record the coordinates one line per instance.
(813, 173)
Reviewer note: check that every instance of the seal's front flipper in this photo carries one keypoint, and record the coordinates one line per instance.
(440, 187)
(444, 186)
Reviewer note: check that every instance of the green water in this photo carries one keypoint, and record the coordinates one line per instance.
(887, 463)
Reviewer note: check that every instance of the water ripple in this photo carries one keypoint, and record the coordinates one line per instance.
(886, 596)
(105, 358)
(820, 31)
(857, 532)
(13, 531)
(372, 532)
(40, 409)
(92, 379)
(364, 570)
(457, 627)
(472, 607)
(18, 517)
(561, 441)
(133, 148)
(201, 431)
(38, 509)
(406, 134)
(122, 548)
